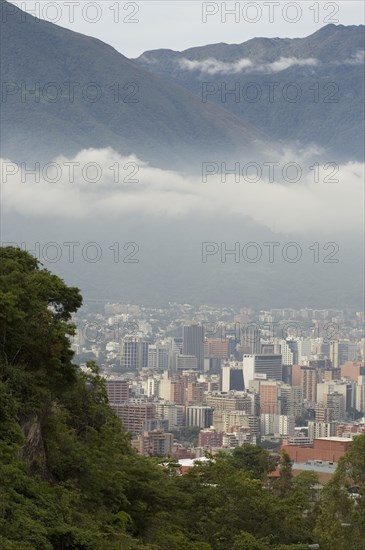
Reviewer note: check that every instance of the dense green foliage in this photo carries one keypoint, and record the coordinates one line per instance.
(69, 478)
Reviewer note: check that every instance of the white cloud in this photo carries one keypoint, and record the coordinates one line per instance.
(214, 66)
(357, 59)
(311, 204)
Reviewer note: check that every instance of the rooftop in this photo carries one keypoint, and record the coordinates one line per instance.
(339, 439)
(312, 466)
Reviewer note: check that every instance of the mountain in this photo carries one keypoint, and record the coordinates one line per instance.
(89, 95)
(307, 90)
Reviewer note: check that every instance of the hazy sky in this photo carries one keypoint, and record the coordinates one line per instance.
(137, 26)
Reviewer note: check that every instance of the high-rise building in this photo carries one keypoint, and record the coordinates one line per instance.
(152, 387)
(343, 352)
(304, 347)
(269, 394)
(308, 383)
(317, 430)
(235, 420)
(296, 375)
(216, 347)
(335, 401)
(287, 425)
(169, 412)
(187, 362)
(262, 365)
(269, 423)
(153, 443)
(333, 353)
(250, 340)
(193, 342)
(134, 354)
(247, 402)
(322, 414)
(210, 437)
(177, 392)
(347, 389)
(195, 393)
(178, 342)
(291, 400)
(158, 356)
(352, 370)
(117, 390)
(287, 352)
(360, 394)
(232, 377)
(199, 415)
(135, 416)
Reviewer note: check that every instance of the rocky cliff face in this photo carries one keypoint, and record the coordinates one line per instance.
(33, 450)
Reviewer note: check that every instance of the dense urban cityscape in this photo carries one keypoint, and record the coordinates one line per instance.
(190, 381)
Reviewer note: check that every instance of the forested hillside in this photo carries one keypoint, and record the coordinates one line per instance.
(70, 480)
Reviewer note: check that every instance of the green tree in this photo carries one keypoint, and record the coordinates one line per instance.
(283, 486)
(253, 459)
(68, 476)
(341, 519)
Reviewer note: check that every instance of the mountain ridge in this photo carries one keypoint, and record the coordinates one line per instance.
(159, 121)
(332, 56)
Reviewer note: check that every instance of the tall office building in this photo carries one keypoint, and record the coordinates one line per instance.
(287, 425)
(216, 347)
(269, 397)
(117, 390)
(265, 366)
(286, 349)
(291, 398)
(317, 430)
(178, 343)
(158, 356)
(153, 443)
(304, 347)
(308, 383)
(186, 362)
(250, 340)
(360, 394)
(232, 377)
(169, 412)
(199, 415)
(333, 354)
(347, 389)
(335, 401)
(222, 402)
(135, 416)
(343, 352)
(195, 393)
(193, 342)
(134, 354)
